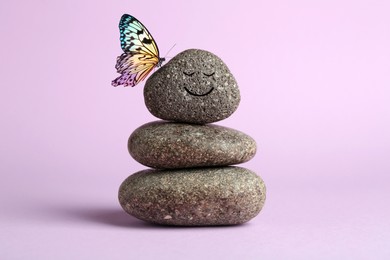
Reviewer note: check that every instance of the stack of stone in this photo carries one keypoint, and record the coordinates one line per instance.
(192, 183)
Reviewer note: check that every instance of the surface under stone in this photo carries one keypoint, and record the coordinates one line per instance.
(193, 197)
(168, 145)
(195, 86)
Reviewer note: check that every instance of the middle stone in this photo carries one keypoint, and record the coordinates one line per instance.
(169, 145)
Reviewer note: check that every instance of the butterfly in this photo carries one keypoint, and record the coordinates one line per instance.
(140, 55)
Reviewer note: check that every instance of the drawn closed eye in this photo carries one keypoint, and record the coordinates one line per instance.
(189, 73)
(209, 75)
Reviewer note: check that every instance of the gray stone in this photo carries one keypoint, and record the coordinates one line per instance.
(193, 197)
(193, 87)
(168, 145)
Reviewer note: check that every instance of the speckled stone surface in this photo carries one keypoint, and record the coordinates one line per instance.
(195, 86)
(193, 197)
(168, 145)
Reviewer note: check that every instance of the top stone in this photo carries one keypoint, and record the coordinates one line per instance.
(195, 86)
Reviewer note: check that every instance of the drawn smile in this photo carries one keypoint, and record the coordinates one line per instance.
(198, 95)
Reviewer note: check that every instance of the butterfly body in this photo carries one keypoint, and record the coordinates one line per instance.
(160, 62)
(141, 54)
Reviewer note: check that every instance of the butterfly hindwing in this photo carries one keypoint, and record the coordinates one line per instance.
(134, 68)
(140, 55)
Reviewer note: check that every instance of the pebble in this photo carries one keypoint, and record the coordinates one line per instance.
(168, 145)
(193, 197)
(195, 86)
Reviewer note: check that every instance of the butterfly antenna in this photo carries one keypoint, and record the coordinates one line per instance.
(170, 50)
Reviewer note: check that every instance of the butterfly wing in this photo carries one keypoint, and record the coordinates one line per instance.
(133, 68)
(140, 55)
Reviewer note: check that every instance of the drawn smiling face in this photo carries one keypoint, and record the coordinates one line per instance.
(194, 74)
(194, 87)
(199, 84)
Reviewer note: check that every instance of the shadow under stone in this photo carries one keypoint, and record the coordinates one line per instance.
(107, 216)
(111, 217)
(119, 218)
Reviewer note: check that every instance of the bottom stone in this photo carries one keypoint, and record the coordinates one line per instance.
(193, 197)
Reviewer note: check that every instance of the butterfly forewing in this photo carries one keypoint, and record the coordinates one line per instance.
(135, 36)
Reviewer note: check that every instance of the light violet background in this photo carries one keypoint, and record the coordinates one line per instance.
(314, 79)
